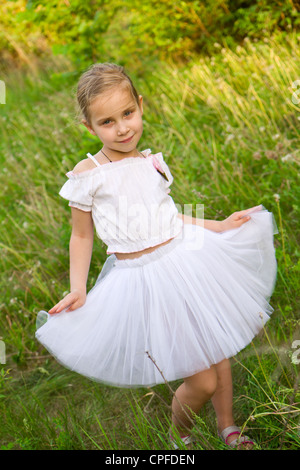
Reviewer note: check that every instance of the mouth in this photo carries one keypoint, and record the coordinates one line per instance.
(126, 140)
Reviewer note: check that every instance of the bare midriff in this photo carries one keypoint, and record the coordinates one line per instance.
(137, 254)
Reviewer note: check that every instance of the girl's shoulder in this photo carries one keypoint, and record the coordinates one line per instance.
(83, 165)
(87, 164)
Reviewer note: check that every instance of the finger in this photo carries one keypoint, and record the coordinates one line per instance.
(57, 308)
(77, 304)
(244, 213)
(53, 309)
(74, 306)
(244, 219)
(250, 211)
(61, 306)
(238, 216)
(71, 308)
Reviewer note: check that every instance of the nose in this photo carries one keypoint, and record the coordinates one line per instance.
(122, 128)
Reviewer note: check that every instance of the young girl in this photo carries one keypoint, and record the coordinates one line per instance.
(179, 295)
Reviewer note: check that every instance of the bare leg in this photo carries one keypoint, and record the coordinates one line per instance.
(222, 400)
(215, 384)
(223, 396)
(192, 395)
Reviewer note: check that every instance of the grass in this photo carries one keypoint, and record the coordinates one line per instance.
(228, 128)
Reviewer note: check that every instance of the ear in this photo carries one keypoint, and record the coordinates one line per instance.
(87, 125)
(141, 104)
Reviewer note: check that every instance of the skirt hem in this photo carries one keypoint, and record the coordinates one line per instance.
(178, 376)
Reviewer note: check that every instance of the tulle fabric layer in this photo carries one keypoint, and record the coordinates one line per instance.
(173, 312)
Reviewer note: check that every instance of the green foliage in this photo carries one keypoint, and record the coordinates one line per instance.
(132, 32)
(263, 17)
(74, 28)
(19, 36)
(181, 29)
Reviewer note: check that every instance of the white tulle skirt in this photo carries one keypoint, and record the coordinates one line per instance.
(171, 313)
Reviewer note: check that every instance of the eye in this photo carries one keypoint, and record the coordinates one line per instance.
(105, 123)
(130, 111)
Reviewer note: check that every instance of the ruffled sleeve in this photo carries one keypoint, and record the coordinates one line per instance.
(78, 190)
(166, 170)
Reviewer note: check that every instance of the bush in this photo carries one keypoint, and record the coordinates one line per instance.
(130, 31)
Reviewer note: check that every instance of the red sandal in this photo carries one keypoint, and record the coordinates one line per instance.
(185, 440)
(240, 440)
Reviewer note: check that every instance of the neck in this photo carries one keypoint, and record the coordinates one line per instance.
(114, 155)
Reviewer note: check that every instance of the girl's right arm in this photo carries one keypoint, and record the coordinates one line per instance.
(81, 246)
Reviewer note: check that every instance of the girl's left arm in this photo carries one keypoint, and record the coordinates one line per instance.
(235, 220)
(213, 225)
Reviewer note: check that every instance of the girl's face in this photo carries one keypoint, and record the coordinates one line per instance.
(116, 118)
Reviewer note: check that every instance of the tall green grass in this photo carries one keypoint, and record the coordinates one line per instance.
(229, 130)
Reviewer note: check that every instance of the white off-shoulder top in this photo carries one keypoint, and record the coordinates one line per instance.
(129, 200)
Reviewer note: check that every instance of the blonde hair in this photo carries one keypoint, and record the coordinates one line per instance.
(98, 79)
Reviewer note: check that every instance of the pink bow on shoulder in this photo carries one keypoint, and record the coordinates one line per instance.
(158, 167)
